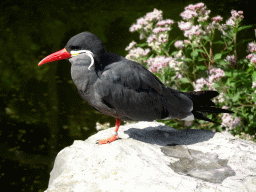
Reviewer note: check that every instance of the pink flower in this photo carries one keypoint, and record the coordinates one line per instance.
(135, 27)
(230, 22)
(188, 14)
(199, 5)
(240, 12)
(151, 38)
(253, 60)
(217, 19)
(142, 21)
(237, 15)
(156, 15)
(231, 59)
(130, 46)
(165, 22)
(179, 76)
(187, 42)
(179, 44)
(203, 18)
(249, 56)
(229, 122)
(158, 63)
(145, 23)
(251, 47)
(216, 74)
(160, 29)
(224, 107)
(163, 38)
(195, 7)
(184, 26)
(195, 30)
(234, 13)
(199, 84)
(146, 51)
(136, 53)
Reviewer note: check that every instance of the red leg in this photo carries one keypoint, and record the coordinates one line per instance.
(114, 137)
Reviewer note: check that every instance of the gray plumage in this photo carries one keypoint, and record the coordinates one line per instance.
(126, 90)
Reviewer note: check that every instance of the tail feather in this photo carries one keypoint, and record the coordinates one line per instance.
(202, 103)
(198, 115)
(212, 109)
(202, 98)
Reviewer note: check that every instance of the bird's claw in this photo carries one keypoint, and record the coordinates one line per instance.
(108, 140)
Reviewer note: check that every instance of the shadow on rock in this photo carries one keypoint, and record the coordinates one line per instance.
(169, 136)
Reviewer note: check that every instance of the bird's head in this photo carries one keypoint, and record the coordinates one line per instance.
(84, 42)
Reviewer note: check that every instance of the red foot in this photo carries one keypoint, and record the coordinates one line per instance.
(108, 140)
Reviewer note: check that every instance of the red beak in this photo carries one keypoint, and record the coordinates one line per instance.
(59, 55)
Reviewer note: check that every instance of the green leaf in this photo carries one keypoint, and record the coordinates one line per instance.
(228, 73)
(173, 41)
(236, 97)
(244, 27)
(200, 67)
(194, 53)
(218, 42)
(223, 62)
(188, 60)
(200, 50)
(206, 38)
(217, 56)
(244, 41)
(253, 76)
(184, 80)
(201, 59)
(142, 45)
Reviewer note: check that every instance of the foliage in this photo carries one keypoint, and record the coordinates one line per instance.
(206, 59)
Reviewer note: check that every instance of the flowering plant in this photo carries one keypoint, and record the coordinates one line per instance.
(206, 59)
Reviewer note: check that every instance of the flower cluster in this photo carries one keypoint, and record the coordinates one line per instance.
(252, 50)
(217, 19)
(194, 12)
(199, 13)
(136, 53)
(198, 10)
(199, 84)
(165, 23)
(229, 122)
(179, 44)
(156, 15)
(215, 75)
(147, 23)
(153, 28)
(235, 18)
(130, 46)
(159, 62)
(231, 59)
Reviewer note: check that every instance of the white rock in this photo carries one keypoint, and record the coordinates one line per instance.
(136, 161)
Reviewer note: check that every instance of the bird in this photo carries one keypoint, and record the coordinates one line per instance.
(125, 89)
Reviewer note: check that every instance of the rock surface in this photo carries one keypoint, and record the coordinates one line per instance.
(153, 157)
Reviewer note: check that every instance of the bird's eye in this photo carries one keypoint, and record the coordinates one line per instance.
(74, 48)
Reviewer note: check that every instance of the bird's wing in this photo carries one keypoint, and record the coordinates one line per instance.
(128, 87)
(132, 75)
